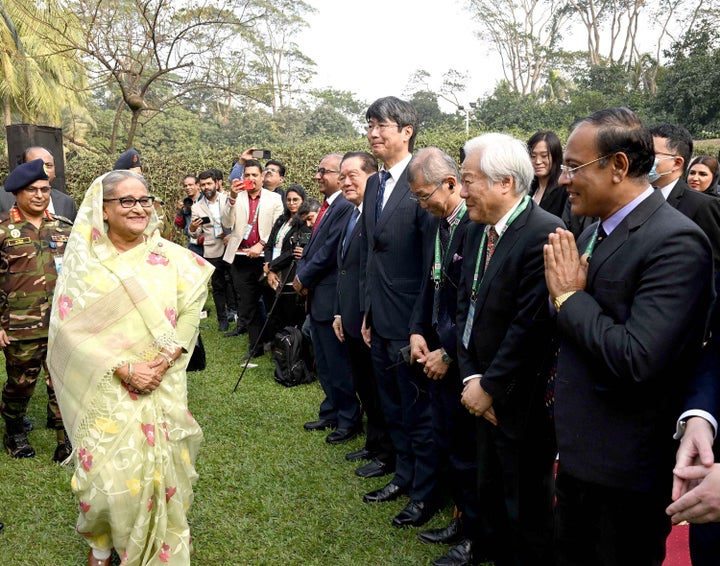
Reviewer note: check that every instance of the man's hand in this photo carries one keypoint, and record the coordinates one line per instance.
(702, 503)
(418, 348)
(435, 368)
(4, 339)
(235, 188)
(300, 289)
(273, 280)
(565, 271)
(695, 450)
(255, 251)
(337, 327)
(477, 401)
(297, 252)
(365, 331)
(245, 156)
(179, 206)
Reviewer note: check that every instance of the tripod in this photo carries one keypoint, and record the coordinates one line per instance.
(281, 286)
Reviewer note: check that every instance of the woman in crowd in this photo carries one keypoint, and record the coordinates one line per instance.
(290, 231)
(546, 154)
(703, 175)
(125, 315)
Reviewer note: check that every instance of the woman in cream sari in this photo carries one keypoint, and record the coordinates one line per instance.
(125, 315)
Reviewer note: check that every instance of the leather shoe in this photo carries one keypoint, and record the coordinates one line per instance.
(362, 454)
(388, 493)
(452, 534)
(375, 469)
(416, 513)
(342, 435)
(461, 555)
(237, 331)
(321, 424)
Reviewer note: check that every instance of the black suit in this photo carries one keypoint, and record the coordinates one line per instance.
(377, 438)
(454, 426)
(626, 343)
(398, 251)
(702, 209)
(63, 204)
(317, 270)
(509, 346)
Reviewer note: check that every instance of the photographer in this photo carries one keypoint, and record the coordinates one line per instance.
(206, 227)
(183, 215)
(273, 173)
(290, 231)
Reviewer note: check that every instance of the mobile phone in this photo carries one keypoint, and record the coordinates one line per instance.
(205, 219)
(261, 154)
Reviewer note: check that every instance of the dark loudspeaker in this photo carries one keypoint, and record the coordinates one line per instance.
(22, 136)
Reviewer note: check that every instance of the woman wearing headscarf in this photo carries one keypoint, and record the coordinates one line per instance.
(125, 315)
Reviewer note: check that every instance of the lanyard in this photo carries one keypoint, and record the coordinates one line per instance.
(437, 263)
(477, 279)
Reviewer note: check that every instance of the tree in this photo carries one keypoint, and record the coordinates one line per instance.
(151, 52)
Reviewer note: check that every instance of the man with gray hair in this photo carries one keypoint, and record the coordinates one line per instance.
(505, 352)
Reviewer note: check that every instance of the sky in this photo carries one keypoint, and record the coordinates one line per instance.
(372, 47)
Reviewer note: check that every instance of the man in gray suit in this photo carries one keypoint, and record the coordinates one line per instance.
(61, 204)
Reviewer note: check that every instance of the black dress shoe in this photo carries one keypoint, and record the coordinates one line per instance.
(223, 325)
(461, 555)
(416, 513)
(237, 331)
(322, 424)
(342, 435)
(388, 493)
(362, 454)
(452, 534)
(375, 469)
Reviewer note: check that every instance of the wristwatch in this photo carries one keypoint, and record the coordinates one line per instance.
(560, 299)
(444, 357)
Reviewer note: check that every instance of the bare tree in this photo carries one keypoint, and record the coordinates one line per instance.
(526, 35)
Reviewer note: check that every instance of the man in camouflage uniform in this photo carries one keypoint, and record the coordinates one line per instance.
(32, 242)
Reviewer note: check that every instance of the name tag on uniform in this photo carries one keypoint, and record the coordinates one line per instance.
(59, 238)
(18, 241)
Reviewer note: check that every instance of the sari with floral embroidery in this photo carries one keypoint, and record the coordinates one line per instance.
(134, 453)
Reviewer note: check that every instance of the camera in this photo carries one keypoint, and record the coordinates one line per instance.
(187, 206)
(303, 239)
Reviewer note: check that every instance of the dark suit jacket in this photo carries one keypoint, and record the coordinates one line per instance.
(347, 300)
(396, 259)
(702, 209)
(63, 204)
(553, 200)
(512, 328)
(627, 342)
(317, 269)
(444, 333)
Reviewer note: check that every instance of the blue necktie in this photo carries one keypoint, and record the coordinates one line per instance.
(350, 227)
(384, 176)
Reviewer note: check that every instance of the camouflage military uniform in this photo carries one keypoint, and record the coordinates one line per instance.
(30, 259)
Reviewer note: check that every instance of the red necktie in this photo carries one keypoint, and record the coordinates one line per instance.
(492, 241)
(321, 212)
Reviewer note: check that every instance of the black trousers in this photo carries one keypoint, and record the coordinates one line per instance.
(246, 273)
(219, 288)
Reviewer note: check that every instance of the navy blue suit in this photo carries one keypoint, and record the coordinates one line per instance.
(377, 437)
(397, 260)
(317, 270)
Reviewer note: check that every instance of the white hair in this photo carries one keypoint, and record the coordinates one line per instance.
(502, 156)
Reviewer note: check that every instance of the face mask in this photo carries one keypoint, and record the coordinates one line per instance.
(654, 175)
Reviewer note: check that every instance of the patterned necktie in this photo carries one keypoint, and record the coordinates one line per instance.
(321, 212)
(444, 235)
(492, 240)
(350, 227)
(384, 176)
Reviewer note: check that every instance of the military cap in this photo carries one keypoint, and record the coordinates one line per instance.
(25, 174)
(131, 158)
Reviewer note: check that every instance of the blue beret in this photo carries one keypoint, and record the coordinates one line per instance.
(131, 158)
(25, 174)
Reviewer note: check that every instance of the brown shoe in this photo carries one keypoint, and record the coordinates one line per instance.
(92, 561)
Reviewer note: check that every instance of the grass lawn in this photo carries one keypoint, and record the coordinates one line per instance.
(269, 492)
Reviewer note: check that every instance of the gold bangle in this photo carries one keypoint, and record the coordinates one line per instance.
(169, 360)
(560, 299)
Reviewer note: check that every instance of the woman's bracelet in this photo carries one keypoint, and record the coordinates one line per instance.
(130, 373)
(170, 361)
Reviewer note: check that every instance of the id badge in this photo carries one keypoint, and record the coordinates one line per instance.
(217, 230)
(467, 332)
(58, 263)
(248, 229)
